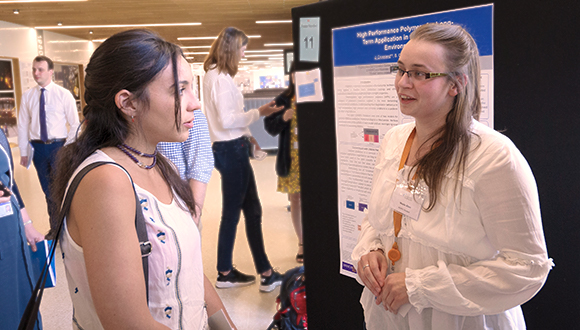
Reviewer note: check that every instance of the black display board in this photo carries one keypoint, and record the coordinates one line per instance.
(537, 81)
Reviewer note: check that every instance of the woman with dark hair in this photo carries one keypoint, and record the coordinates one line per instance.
(138, 90)
(17, 278)
(285, 124)
(232, 141)
(453, 238)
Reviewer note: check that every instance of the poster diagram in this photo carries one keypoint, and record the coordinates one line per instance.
(367, 106)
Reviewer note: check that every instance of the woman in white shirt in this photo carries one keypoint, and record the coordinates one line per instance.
(232, 143)
(453, 238)
(138, 89)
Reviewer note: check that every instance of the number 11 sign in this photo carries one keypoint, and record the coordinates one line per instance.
(309, 38)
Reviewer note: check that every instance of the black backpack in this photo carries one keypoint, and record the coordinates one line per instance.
(291, 314)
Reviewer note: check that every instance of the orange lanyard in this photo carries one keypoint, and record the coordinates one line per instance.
(394, 254)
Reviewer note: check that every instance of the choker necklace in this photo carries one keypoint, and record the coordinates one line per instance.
(127, 150)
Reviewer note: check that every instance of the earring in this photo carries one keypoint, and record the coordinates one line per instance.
(133, 119)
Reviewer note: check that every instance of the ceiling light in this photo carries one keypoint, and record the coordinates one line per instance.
(260, 55)
(26, 1)
(264, 51)
(187, 47)
(274, 22)
(211, 38)
(112, 26)
(16, 11)
(98, 40)
(278, 45)
(90, 31)
(59, 23)
(196, 53)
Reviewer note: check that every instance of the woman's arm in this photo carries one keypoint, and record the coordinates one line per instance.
(274, 124)
(102, 221)
(505, 194)
(214, 302)
(230, 112)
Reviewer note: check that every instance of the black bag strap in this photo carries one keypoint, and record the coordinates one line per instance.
(30, 315)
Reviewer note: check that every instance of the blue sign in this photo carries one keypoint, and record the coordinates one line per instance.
(306, 90)
(350, 205)
(382, 42)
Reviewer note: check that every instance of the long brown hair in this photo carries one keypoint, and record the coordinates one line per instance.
(224, 53)
(127, 60)
(453, 140)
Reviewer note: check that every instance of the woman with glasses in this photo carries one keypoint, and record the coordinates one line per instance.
(453, 238)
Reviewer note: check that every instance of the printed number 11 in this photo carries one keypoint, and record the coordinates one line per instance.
(306, 40)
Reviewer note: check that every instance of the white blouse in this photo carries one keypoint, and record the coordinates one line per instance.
(224, 108)
(176, 279)
(476, 256)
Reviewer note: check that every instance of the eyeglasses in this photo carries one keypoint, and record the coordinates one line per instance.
(417, 75)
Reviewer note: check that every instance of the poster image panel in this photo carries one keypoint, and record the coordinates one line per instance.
(367, 105)
(67, 76)
(6, 76)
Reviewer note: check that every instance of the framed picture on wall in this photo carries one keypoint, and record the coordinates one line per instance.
(7, 95)
(70, 76)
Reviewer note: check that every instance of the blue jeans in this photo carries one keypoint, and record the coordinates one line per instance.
(239, 193)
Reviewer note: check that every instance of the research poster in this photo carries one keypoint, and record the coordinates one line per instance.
(367, 106)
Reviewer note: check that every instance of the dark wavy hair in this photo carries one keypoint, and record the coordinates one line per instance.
(128, 60)
(291, 90)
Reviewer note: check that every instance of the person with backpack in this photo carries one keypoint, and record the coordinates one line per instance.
(138, 89)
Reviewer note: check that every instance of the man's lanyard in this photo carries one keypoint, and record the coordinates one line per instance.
(394, 254)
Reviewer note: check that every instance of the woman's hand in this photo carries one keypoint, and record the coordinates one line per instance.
(372, 270)
(394, 294)
(32, 235)
(269, 108)
(254, 142)
(288, 114)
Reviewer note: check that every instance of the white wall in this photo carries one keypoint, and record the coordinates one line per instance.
(20, 42)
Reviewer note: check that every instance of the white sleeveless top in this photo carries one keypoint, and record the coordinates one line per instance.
(176, 280)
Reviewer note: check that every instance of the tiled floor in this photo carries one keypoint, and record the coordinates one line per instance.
(249, 309)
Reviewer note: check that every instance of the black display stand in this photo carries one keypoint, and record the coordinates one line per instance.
(537, 81)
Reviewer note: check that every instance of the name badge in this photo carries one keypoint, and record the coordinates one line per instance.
(6, 209)
(407, 202)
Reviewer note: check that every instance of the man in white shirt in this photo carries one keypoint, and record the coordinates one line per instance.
(45, 111)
